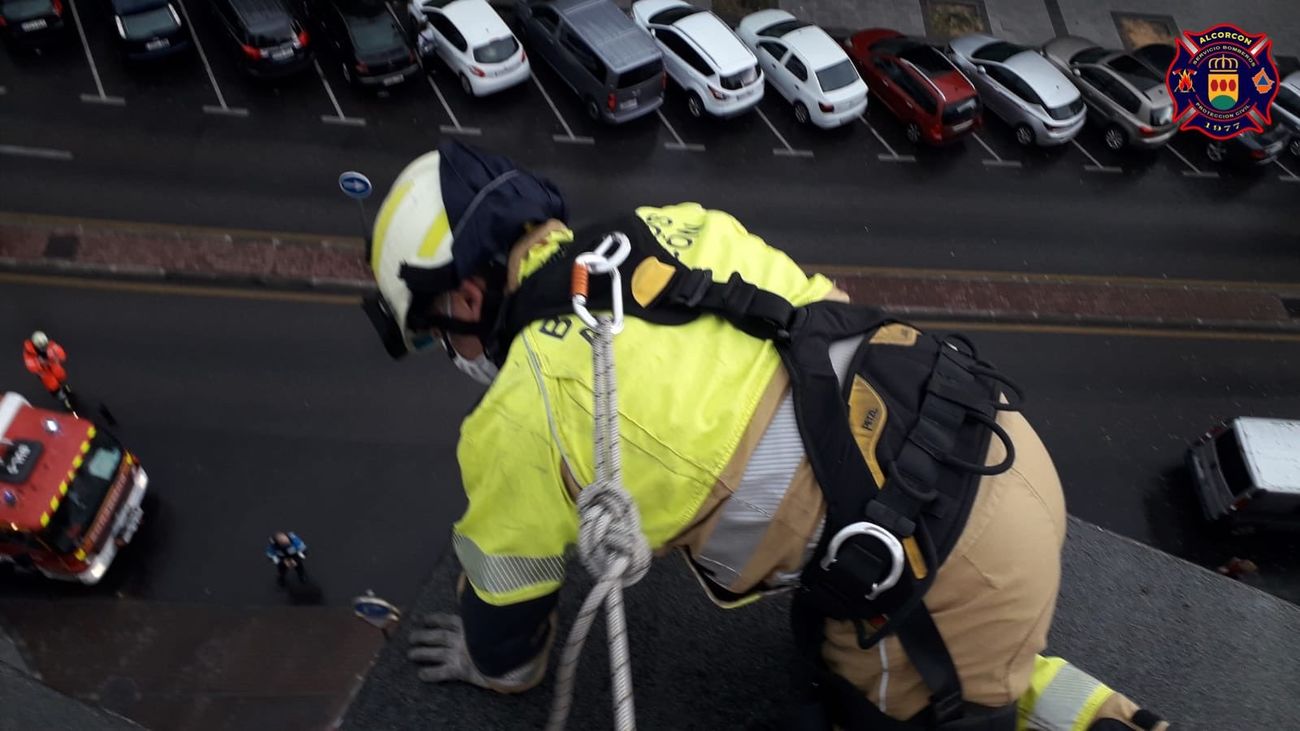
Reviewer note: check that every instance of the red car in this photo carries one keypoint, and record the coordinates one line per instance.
(918, 84)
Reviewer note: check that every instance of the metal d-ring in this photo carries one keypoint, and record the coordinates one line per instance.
(891, 542)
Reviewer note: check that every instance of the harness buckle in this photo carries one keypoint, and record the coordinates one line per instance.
(890, 542)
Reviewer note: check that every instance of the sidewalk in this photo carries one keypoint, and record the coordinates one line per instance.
(47, 245)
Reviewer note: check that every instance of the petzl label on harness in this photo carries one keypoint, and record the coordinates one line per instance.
(896, 333)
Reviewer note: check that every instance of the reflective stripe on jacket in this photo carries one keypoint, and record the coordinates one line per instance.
(686, 395)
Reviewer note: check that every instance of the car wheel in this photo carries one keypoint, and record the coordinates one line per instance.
(1216, 151)
(694, 105)
(800, 113)
(913, 132)
(466, 86)
(593, 109)
(1024, 135)
(1115, 137)
(1295, 147)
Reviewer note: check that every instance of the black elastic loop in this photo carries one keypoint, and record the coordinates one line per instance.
(980, 469)
(984, 369)
(897, 479)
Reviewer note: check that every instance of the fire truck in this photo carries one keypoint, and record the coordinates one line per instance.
(70, 494)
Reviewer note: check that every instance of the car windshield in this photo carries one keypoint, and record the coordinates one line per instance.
(838, 76)
(640, 74)
(1135, 72)
(998, 51)
(374, 34)
(740, 80)
(1066, 111)
(1288, 100)
(1231, 464)
(149, 23)
(961, 111)
(272, 33)
(672, 15)
(776, 30)
(86, 492)
(24, 9)
(496, 51)
(1089, 55)
(927, 59)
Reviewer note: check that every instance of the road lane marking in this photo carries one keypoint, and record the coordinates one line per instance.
(1053, 278)
(223, 107)
(1096, 166)
(340, 117)
(351, 300)
(787, 151)
(1290, 177)
(456, 128)
(101, 97)
(568, 135)
(1194, 172)
(47, 153)
(678, 145)
(892, 156)
(997, 160)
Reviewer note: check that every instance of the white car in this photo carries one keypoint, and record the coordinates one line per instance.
(474, 42)
(703, 56)
(1287, 106)
(807, 67)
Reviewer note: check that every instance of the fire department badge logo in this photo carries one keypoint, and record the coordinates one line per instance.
(1223, 81)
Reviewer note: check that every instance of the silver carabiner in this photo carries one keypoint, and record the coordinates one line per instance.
(597, 262)
(891, 542)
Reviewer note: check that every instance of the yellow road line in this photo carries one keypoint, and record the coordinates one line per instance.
(1048, 278)
(42, 219)
(352, 299)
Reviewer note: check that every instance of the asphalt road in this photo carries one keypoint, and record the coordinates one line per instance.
(849, 196)
(255, 411)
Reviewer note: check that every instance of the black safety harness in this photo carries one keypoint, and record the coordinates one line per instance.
(942, 402)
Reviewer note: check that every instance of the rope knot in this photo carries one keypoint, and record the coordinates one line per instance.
(610, 541)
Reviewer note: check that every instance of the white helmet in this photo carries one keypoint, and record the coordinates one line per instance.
(40, 340)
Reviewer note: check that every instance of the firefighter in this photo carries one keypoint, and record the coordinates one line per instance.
(287, 551)
(920, 536)
(45, 358)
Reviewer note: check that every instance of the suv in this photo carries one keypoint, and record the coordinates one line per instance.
(1247, 473)
(269, 39)
(1124, 92)
(369, 43)
(703, 56)
(921, 87)
(610, 63)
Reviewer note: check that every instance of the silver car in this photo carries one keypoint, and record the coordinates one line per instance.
(1286, 107)
(1124, 93)
(1022, 88)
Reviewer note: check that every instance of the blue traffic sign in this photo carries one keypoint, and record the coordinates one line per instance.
(376, 611)
(355, 185)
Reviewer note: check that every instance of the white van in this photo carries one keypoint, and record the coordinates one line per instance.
(1247, 472)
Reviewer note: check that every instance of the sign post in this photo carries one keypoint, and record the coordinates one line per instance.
(357, 187)
(375, 611)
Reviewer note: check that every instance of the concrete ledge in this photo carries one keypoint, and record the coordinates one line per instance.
(1205, 651)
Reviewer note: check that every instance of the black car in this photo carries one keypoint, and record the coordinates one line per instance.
(1251, 148)
(149, 29)
(269, 40)
(31, 22)
(368, 42)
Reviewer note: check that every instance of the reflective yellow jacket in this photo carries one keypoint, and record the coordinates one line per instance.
(686, 395)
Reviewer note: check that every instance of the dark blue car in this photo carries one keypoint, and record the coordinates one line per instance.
(148, 29)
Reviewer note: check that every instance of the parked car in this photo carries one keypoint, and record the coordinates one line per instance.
(1246, 473)
(32, 23)
(807, 67)
(1252, 148)
(1125, 94)
(609, 61)
(367, 41)
(718, 73)
(1286, 105)
(265, 35)
(475, 43)
(149, 29)
(1024, 89)
(1159, 56)
(919, 85)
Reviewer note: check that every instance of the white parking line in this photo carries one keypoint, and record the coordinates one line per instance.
(788, 151)
(678, 145)
(1290, 177)
(101, 97)
(997, 161)
(892, 156)
(456, 128)
(340, 117)
(41, 152)
(568, 136)
(1095, 167)
(1194, 172)
(223, 107)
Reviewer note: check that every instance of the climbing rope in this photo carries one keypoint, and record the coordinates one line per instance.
(610, 542)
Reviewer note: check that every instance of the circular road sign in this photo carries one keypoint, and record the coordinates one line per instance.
(355, 185)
